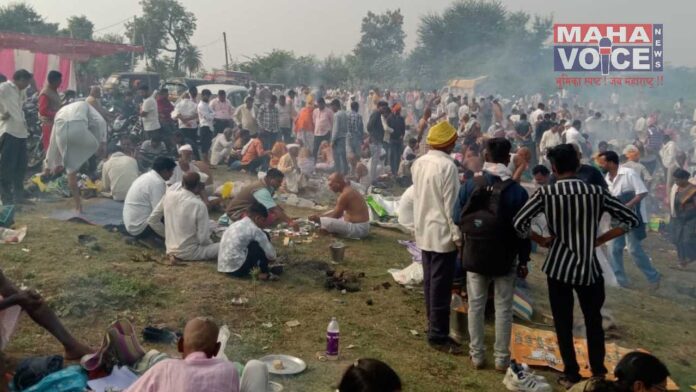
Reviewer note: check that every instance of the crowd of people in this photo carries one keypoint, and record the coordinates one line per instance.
(480, 171)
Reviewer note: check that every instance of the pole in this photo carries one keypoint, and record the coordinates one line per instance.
(132, 67)
(227, 58)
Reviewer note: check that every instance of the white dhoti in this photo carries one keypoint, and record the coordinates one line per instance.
(345, 229)
(255, 377)
(294, 181)
(201, 252)
(71, 145)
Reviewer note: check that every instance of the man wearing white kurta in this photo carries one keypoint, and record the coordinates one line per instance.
(186, 223)
(435, 189)
(79, 131)
(144, 195)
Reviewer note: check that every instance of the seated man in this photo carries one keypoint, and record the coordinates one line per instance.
(254, 157)
(156, 219)
(350, 218)
(149, 150)
(198, 370)
(222, 147)
(186, 223)
(288, 165)
(144, 195)
(261, 192)
(13, 301)
(118, 174)
(245, 245)
(185, 164)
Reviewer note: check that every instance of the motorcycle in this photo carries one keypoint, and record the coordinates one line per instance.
(35, 151)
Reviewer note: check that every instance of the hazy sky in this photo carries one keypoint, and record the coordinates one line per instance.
(324, 27)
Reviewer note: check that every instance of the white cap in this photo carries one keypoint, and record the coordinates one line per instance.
(185, 147)
(293, 145)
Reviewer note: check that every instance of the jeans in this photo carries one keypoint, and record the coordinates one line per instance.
(268, 139)
(339, 155)
(591, 299)
(286, 135)
(206, 139)
(639, 257)
(438, 273)
(396, 148)
(219, 125)
(255, 258)
(477, 290)
(13, 165)
(375, 153)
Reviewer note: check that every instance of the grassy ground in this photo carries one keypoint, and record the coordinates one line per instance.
(90, 288)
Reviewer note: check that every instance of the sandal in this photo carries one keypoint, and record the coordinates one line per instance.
(447, 347)
(269, 277)
(566, 382)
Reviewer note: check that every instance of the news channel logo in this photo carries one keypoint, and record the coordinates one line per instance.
(607, 48)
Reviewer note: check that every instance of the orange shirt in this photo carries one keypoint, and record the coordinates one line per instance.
(305, 121)
(254, 151)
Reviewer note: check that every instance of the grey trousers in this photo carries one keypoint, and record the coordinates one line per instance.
(477, 290)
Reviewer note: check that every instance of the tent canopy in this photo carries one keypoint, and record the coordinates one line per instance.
(74, 49)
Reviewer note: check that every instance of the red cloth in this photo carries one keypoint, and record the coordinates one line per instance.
(46, 111)
(165, 108)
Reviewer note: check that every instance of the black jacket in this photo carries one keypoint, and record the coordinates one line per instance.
(375, 127)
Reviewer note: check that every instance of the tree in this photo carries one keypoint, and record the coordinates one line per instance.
(22, 18)
(79, 27)
(191, 59)
(478, 37)
(381, 45)
(334, 71)
(106, 65)
(165, 25)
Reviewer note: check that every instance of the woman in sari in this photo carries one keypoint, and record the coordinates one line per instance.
(683, 222)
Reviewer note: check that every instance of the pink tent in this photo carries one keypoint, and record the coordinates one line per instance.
(41, 54)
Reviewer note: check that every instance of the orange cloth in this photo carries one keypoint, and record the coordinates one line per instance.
(396, 108)
(254, 151)
(304, 120)
(277, 152)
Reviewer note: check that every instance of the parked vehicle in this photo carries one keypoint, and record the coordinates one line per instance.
(235, 94)
(178, 86)
(124, 81)
(233, 77)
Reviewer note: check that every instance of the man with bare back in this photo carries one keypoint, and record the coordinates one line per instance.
(350, 218)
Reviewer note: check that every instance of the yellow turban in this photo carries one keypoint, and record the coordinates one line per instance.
(441, 134)
(310, 100)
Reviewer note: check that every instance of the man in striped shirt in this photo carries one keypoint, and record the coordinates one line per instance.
(573, 210)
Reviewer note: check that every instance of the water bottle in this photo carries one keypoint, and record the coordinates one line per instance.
(332, 338)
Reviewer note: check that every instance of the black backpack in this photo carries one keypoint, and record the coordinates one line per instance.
(488, 240)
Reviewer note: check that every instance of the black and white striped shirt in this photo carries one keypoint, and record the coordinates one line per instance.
(573, 210)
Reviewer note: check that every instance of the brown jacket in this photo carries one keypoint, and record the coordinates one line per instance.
(239, 204)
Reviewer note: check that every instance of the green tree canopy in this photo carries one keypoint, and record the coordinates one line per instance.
(79, 27)
(22, 18)
(477, 37)
(191, 59)
(378, 53)
(165, 25)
